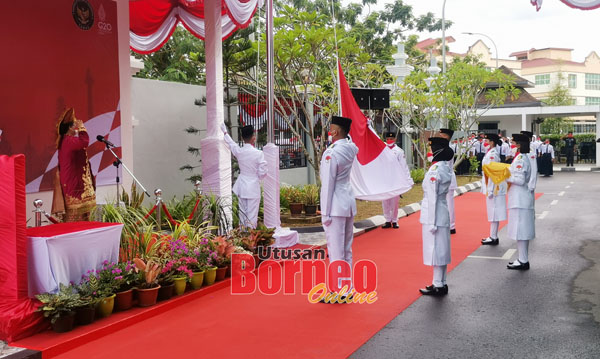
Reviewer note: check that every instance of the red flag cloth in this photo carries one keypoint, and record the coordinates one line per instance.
(18, 318)
(368, 143)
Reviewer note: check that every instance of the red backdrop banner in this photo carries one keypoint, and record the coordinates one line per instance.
(58, 54)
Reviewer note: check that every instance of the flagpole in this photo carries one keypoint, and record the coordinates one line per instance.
(270, 71)
(337, 60)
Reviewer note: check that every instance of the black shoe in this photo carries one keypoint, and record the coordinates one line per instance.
(387, 225)
(395, 225)
(518, 265)
(453, 231)
(434, 291)
(490, 241)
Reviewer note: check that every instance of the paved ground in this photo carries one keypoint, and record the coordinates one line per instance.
(550, 311)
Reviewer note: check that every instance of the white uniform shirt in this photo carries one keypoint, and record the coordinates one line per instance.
(337, 197)
(488, 186)
(434, 207)
(546, 148)
(519, 195)
(505, 149)
(402, 162)
(253, 168)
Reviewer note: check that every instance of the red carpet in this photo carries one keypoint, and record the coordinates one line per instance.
(222, 325)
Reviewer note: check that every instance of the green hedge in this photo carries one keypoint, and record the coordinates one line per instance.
(417, 175)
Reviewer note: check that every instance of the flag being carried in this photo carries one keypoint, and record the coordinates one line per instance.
(376, 175)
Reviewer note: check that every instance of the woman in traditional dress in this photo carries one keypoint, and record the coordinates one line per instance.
(75, 189)
(495, 194)
(435, 217)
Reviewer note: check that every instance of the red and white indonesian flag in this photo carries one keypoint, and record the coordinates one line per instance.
(577, 4)
(376, 174)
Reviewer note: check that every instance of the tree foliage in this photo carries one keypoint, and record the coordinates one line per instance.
(466, 91)
(559, 96)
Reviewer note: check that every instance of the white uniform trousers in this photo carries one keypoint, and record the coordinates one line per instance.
(450, 200)
(248, 211)
(439, 275)
(339, 236)
(390, 209)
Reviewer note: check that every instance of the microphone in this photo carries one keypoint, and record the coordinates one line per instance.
(107, 142)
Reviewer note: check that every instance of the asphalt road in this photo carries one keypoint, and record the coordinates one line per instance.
(550, 311)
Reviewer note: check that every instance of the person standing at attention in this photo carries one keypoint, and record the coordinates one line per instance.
(390, 206)
(253, 168)
(570, 144)
(435, 218)
(495, 194)
(521, 213)
(338, 204)
(447, 134)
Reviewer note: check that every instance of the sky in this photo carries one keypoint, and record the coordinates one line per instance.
(515, 25)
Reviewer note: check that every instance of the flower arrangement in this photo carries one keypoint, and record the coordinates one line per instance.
(180, 267)
(126, 276)
(110, 277)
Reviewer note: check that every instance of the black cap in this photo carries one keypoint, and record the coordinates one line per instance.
(528, 134)
(520, 137)
(247, 131)
(447, 131)
(390, 134)
(343, 122)
(493, 137)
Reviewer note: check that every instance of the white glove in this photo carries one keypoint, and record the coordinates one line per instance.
(490, 195)
(432, 229)
(223, 128)
(326, 220)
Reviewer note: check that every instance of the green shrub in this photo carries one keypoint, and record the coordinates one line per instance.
(417, 175)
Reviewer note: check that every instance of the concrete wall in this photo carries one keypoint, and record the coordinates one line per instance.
(294, 176)
(161, 111)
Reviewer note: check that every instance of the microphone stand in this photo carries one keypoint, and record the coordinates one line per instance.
(119, 162)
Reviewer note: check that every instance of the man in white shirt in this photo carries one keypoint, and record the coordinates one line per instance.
(253, 168)
(390, 206)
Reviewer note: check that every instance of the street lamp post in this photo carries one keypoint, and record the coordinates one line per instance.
(400, 70)
(433, 71)
(489, 38)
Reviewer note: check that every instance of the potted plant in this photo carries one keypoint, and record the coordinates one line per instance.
(294, 198)
(311, 199)
(88, 290)
(59, 307)
(148, 284)
(125, 278)
(108, 285)
(223, 248)
(180, 272)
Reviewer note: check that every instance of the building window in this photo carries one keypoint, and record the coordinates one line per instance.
(592, 81)
(592, 100)
(572, 81)
(542, 79)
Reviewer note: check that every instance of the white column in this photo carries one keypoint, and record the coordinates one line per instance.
(523, 122)
(216, 157)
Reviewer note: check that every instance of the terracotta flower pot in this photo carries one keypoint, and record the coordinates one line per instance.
(84, 315)
(197, 280)
(147, 297)
(166, 291)
(210, 275)
(179, 285)
(124, 300)
(310, 209)
(221, 272)
(64, 323)
(228, 272)
(296, 209)
(105, 306)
